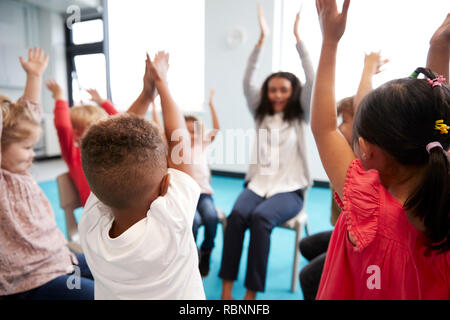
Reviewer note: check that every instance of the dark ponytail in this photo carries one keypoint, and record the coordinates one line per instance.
(400, 117)
(430, 201)
(433, 195)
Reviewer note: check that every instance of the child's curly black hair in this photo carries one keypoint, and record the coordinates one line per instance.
(124, 158)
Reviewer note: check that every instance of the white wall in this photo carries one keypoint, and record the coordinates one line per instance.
(225, 66)
(23, 26)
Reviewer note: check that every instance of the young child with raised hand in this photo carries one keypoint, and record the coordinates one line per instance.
(35, 262)
(105, 104)
(314, 247)
(391, 240)
(206, 210)
(136, 228)
(70, 124)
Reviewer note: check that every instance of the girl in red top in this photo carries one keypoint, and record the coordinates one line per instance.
(70, 125)
(392, 239)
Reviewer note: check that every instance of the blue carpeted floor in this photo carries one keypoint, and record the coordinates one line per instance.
(282, 241)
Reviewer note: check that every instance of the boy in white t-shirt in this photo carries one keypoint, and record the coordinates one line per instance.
(136, 227)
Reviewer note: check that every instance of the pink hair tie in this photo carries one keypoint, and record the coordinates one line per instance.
(436, 81)
(432, 145)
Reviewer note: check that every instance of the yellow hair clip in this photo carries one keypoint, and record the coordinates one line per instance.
(441, 126)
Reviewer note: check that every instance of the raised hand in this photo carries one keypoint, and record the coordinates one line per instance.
(158, 68)
(297, 20)
(149, 86)
(154, 72)
(373, 62)
(55, 89)
(372, 66)
(34, 67)
(439, 52)
(334, 150)
(215, 120)
(332, 23)
(95, 96)
(211, 96)
(264, 27)
(443, 32)
(36, 63)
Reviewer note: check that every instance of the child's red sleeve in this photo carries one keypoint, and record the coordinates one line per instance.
(109, 107)
(64, 129)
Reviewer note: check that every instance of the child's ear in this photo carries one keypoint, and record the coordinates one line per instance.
(366, 148)
(164, 186)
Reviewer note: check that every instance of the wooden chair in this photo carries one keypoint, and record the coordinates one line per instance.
(69, 200)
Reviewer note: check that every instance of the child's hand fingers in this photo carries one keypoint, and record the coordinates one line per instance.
(46, 57)
(345, 7)
(318, 6)
(35, 53)
(22, 61)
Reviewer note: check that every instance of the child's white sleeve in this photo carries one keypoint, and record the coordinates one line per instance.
(180, 202)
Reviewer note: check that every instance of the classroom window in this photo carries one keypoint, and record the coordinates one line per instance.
(90, 73)
(400, 31)
(86, 59)
(87, 31)
(177, 27)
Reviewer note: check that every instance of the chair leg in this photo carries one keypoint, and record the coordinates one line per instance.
(295, 271)
(307, 230)
(224, 225)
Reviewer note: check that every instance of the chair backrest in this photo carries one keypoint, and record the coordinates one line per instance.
(69, 200)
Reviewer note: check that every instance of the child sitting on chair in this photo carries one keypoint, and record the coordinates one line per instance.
(206, 210)
(136, 228)
(35, 263)
(70, 126)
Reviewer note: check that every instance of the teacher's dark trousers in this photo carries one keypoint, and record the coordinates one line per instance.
(260, 215)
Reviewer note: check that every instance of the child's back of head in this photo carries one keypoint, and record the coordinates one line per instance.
(402, 117)
(83, 116)
(124, 159)
(345, 106)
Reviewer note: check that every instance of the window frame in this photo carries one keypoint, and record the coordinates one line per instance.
(73, 50)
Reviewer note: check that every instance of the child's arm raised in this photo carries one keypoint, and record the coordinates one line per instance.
(34, 67)
(147, 96)
(158, 123)
(95, 96)
(103, 103)
(62, 120)
(174, 123)
(215, 120)
(155, 115)
(335, 153)
(372, 65)
(56, 90)
(438, 54)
